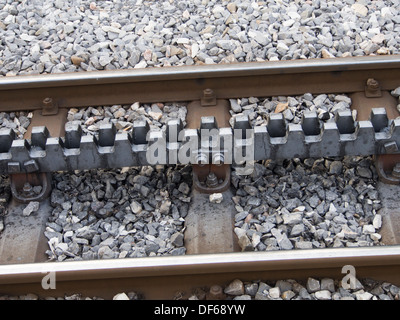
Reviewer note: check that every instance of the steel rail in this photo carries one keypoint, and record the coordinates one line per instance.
(162, 277)
(186, 83)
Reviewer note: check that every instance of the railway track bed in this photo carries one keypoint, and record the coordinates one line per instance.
(117, 221)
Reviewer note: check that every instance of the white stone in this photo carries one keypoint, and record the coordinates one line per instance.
(288, 23)
(194, 50)
(141, 64)
(377, 222)
(216, 198)
(155, 112)
(386, 12)
(323, 295)
(182, 41)
(378, 38)
(282, 47)
(274, 293)
(299, 209)
(121, 296)
(258, 37)
(368, 228)
(255, 239)
(231, 7)
(375, 236)
(360, 9)
(186, 14)
(361, 295)
(63, 246)
(110, 29)
(136, 207)
(69, 28)
(27, 37)
(332, 208)
(240, 232)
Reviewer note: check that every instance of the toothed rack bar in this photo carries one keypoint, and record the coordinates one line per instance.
(109, 149)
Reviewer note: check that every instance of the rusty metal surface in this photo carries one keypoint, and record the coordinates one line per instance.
(390, 211)
(222, 174)
(162, 277)
(209, 226)
(23, 240)
(364, 102)
(23, 184)
(54, 123)
(219, 110)
(188, 83)
(364, 105)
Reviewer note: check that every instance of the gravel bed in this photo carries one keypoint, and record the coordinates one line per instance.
(67, 36)
(312, 289)
(292, 107)
(310, 203)
(289, 289)
(18, 121)
(157, 115)
(31, 296)
(128, 212)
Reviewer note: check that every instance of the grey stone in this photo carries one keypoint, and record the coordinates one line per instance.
(105, 253)
(251, 289)
(288, 295)
(32, 206)
(235, 288)
(242, 297)
(283, 285)
(235, 106)
(292, 218)
(177, 239)
(297, 230)
(303, 245)
(282, 239)
(184, 188)
(328, 284)
(151, 247)
(364, 172)
(396, 92)
(313, 285)
(323, 295)
(335, 167)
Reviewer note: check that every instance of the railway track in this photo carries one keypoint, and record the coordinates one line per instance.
(213, 256)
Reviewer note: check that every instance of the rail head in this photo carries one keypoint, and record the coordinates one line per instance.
(201, 71)
(190, 265)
